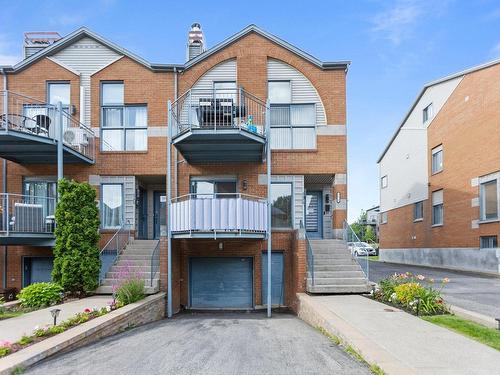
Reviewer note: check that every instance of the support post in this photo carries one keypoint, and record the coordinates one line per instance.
(169, 205)
(6, 109)
(269, 243)
(59, 129)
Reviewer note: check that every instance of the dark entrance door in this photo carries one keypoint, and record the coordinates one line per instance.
(37, 270)
(160, 214)
(314, 214)
(143, 214)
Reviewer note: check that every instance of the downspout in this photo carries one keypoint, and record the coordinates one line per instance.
(4, 190)
(176, 154)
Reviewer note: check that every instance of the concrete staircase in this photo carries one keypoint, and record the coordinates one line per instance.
(335, 270)
(135, 259)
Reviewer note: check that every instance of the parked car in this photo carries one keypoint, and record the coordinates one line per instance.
(361, 249)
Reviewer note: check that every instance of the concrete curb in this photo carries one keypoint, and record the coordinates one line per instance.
(147, 310)
(474, 316)
(317, 315)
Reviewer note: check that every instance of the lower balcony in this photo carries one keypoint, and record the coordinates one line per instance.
(27, 220)
(219, 216)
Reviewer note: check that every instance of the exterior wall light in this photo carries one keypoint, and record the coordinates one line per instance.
(338, 197)
(221, 246)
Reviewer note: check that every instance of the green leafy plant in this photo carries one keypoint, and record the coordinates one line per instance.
(2, 309)
(76, 262)
(4, 351)
(130, 291)
(40, 294)
(408, 292)
(25, 340)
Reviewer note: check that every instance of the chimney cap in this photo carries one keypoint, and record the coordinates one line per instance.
(196, 25)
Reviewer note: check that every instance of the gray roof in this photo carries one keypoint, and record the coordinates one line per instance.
(85, 32)
(430, 84)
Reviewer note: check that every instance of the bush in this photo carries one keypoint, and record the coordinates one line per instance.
(76, 263)
(130, 290)
(405, 293)
(40, 295)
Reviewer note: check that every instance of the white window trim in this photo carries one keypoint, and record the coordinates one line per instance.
(430, 113)
(382, 182)
(483, 180)
(434, 151)
(383, 217)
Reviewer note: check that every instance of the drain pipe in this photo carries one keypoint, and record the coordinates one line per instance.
(4, 190)
(176, 153)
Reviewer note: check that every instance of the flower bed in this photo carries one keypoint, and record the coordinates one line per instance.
(42, 333)
(415, 294)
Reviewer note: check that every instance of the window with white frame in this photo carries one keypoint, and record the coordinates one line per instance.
(437, 159)
(281, 205)
(124, 127)
(489, 199)
(383, 218)
(111, 205)
(437, 207)
(418, 211)
(383, 182)
(427, 113)
(293, 125)
(488, 242)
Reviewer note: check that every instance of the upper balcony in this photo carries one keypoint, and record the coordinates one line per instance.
(29, 132)
(224, 125)
(27, 220)
(227, 215)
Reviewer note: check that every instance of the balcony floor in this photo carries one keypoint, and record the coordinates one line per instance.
(24, 148)
(221, 145)
(33, 239)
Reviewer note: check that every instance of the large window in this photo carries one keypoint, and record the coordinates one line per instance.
(205, 187)
(418, 211)
(488, 242)
(111, 205)
(293, 125)
(124, 127)
(437, 159)
(489, 199)
(225, 90)
(43, 192)
(59, 92)
(281, 205)
(437, 207)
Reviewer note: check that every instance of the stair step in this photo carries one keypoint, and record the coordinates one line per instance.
(333, 261)
(341, 273)
(338, 289)
(112, 282)
(109, 290)
(338, 281)
(140, 274)
(126, 256)
(337, 267)
(132, 268)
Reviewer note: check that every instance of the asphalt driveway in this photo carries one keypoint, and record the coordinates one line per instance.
(474, 292)
(226, 343)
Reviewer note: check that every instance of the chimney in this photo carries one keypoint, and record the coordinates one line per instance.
(196, 42)
(37, 40)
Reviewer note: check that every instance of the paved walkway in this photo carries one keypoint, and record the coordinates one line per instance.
(398, 342)
(210, 344)
(470, 291)
(14, 328)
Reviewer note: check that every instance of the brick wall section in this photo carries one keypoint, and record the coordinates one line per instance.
(469, 131)
(299, 268)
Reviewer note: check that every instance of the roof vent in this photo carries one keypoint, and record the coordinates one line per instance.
(196, 42)
(37, 40)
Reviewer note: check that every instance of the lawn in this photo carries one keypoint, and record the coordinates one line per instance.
(478, 332)
(10, 314)
(374, 258)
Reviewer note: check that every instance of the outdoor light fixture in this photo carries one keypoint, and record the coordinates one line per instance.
(338, 196)
(244, 185)
(221, 246)
(55, 314)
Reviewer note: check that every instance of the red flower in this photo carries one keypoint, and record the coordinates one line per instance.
(87, 310)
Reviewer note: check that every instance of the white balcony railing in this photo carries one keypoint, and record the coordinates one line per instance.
(219, 213)
(26, 214)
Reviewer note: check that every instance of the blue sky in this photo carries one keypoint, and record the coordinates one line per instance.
(395, 47)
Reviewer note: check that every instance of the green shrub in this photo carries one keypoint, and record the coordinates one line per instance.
(2, 309)
(130, 290)
(25, 340)
(40, 295)
(76, 252)
(4, 351)
(408, 292)
(56, 329)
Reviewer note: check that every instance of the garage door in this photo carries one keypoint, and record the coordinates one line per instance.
(277, 287)
(221, 282)
(38, 269)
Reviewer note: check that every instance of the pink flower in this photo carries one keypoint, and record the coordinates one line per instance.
(5, 344)
(421, 277)
(87, 310)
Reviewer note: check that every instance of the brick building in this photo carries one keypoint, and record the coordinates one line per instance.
(440, 176)
(116, 136)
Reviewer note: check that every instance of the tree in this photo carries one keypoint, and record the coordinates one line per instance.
(76, 263)
(370, 236)
(359, 225)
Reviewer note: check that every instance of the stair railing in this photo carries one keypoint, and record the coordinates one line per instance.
(114, 247)
(310, 254)
(155, 261)
(350, 236)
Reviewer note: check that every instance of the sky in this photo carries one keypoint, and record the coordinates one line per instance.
(396, 46)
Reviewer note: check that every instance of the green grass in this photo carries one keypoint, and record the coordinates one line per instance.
(375, 258)
(478, 332)
(10, 314)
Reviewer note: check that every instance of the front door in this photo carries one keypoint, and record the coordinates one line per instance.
(314, 214)
(143, 214)
(160, 214)
(37, 270)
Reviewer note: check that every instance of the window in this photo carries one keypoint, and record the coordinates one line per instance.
(281, 205)
(437, 159)
(111, 205)
(225, 90)
(437, 207)
(208, 187)
(418, 211)
(59, 92)
(280, 92)
(124, 127)
(43, 192)
(488, 242)
(383, 218)
(489, 199)
(427, 113)
(383, 182)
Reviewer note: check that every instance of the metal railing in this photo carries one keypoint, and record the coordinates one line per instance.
(215, 109)
(221, 212)
(111, 251)
(310, 254)
(352, 238)
(155, 262)
(27, 115)
(26, 214)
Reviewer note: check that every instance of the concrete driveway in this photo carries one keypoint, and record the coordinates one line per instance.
(474, 292)
(226, 343)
